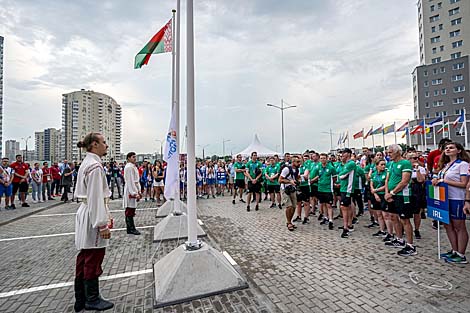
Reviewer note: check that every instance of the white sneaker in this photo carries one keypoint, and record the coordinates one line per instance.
(35, 201)
(41, 201)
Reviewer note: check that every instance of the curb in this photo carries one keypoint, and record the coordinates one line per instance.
(29, 214)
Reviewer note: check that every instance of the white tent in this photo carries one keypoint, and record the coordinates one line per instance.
(258, 147)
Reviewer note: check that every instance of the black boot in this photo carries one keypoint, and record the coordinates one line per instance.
(131, 226)
(79, 295)
(93, 299)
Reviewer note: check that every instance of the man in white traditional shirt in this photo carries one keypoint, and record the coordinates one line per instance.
(92, 225)
(131, 192)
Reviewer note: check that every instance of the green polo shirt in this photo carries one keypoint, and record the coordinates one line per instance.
(237, 166)
(325, 177)
(378, 180)
(396, 169)
(252, 166)
(346, 177)
(272, 170)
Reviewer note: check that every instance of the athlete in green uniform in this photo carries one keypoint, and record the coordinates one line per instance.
(304, 196)
(346, 177)
(378, 203)
(271, 175)
(254, 172)
(239, 178)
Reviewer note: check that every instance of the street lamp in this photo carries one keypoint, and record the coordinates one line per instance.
(161, 146)
(282, 108)
(203, 147)
(223, 147)
(26, 144)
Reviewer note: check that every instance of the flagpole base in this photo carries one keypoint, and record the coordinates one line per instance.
(174, 227)
(171, 206)
(185, 275)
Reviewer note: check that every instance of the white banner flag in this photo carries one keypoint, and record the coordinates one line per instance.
(170, 155)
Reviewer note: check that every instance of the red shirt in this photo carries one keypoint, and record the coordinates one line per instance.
(20, 169)
(46, 174)
(433, 159)
(55, 171)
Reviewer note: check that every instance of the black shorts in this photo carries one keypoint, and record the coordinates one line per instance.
(240, 183)
(345, 199)
(274, 188)
(314, 191)
(325, 197)
(378, 205)
(22, 187)
(254, 188)
(336, 191)
(304, 194)
(398, 206)
(367, 194)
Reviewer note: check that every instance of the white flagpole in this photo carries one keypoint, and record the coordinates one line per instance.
(434, 136)
(383, 136)
(464, 127)
(424, 133)
(190, 115)
(395, 131)
(363, 140)
(177, 91)
(373, 143)
(408, 135)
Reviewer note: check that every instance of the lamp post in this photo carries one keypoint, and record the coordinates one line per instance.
(161, 146)
(203, 147)
(282, 108)
(223, 147)
(26, 144)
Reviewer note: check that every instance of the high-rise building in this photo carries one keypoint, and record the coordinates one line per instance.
(12, 148)
(1, 95)
(87, 111)
(441, 82)
(48, 145)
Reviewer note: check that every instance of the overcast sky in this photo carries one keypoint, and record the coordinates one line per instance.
(345, 64)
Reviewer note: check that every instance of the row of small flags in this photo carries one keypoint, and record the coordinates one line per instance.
(421, 128)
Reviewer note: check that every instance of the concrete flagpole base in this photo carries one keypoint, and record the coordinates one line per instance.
(170, 206)
(174, 227)
(184, 275)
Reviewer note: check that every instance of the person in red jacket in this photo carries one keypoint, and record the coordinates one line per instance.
(55, 171)
(20, 180)
(46, 181)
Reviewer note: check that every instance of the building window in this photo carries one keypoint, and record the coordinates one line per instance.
(456, 78)
(455, 33)
(454, 11)
(433, 8)
(443, 69)
(426, 94)
(426, 84)
(439, 5)
(457, 44)
(434, 71)
(425, 73)
(457, 21)
(454, 1)
(437, 81)
(458, 100)
(434, 18)
(426, 105)
(458, 66)
(436, 92)
(456, 55)
(434, 50)
(436, 39)
(433, 29)
(443, 91)
(436, 114)
(441, 27)
(441, 48)
(444, 113)
(427, 115)
(459, 89)
(436, 60)
(438, 103)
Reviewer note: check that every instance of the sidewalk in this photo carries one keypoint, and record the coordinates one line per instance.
(9, 216)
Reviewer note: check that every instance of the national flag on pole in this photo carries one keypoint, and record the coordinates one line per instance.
(428, 129)
(160, 43)
(444, 128)
(403, 127)
(463, 129)
(368, 133)
(170, 156)
(437, 121)
(407, 130)
(359, 134)
(378, 130)
(459, 119)
(340, 139)
(345, 137)
(418, 129)
(389, 129)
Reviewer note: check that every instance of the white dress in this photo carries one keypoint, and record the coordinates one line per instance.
(131, 186)
(92, 189)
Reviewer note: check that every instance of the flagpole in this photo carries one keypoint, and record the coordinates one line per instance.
(363, 140)
(373, 143)
(383, 136)
(408, 135)
(177, 88)
(424, 133)
(193, 242)
(395, 131)
(174, 102)
(348, 138)
(465, 128)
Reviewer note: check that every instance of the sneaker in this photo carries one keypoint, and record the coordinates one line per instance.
(241, 200)
(351, 228)
(354, 221)
(447, 255)
(305, 221)
(345, 234)
(330, 226)
(12, 206)
(213, 196)
(248, 208)
(35, 201)
(396, 243)
(388, 238)
(320, 217)
(417, 234)
(337, 217)
(279, 206)
(434, 224)
(25, 205)
(233, 201)
(371, 225)
(324, 221)
(273, 205)
(457, 259)
(256, 208)
(379, 234)
(407, 251)
(297, 219)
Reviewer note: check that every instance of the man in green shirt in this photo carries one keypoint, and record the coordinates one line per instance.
(397, 195)
(271, 175)
(239, 178)
(304, 187)
(315, 161)
(253, 171)
(346, 177)
(323, 174)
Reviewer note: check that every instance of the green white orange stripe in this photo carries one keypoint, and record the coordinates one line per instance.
(437, 193)
(160, 43)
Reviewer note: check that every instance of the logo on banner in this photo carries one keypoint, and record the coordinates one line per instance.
(171, 139)
(437, 202)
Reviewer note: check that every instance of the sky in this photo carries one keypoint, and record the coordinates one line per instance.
(345, 65)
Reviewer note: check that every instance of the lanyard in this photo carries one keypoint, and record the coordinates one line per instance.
(444, 171)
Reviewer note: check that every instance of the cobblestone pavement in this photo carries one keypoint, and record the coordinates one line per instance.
(314, 270)
(32, 262)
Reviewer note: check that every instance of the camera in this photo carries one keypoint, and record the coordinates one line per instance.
(289, 189)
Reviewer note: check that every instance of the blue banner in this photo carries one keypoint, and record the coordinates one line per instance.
(437, 202)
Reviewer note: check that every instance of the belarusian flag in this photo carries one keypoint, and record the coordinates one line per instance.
(160, 43)
(444, 128)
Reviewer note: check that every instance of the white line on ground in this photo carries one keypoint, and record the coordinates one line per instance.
(229, 258)
(63, 234)
(68, 284)
(65, 214)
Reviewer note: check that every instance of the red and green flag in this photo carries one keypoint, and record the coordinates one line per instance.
(160, 43)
